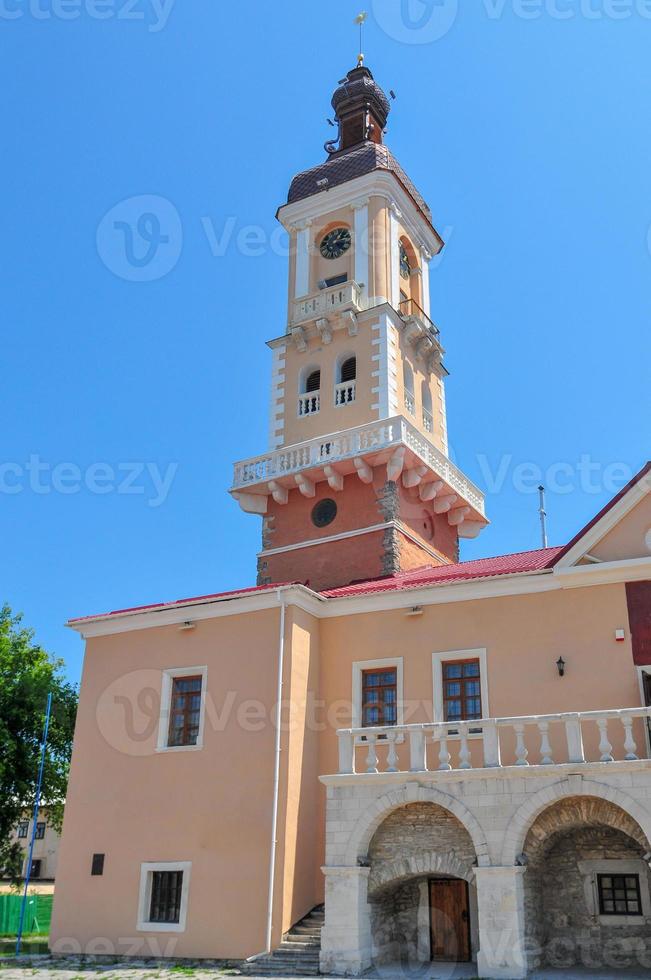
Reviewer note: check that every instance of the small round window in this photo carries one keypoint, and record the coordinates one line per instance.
(324, 513)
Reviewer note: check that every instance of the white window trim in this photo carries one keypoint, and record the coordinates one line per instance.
(144, 897)
(438, 659)
(168, 676)
(627, 866)
(359, 666)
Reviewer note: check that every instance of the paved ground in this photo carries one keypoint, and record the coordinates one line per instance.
(60, 969)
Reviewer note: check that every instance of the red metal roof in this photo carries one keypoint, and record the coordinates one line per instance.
(523, 561)
(184, 602)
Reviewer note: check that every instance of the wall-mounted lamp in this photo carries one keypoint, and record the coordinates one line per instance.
(620, 635)
(560, 663)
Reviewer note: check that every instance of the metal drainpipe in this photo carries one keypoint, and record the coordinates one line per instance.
(274, 818)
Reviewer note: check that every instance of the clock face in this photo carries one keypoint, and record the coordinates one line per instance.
(405, 267)
(335, 243)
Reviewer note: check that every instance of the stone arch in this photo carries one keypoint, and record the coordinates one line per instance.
(427, 863)
(573, 786)
(380, 809)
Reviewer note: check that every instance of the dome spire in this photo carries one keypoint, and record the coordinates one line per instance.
(360, 19)
(361, 108)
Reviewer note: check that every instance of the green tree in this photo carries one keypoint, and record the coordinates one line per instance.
(27, 674)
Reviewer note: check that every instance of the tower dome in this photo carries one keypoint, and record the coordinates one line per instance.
(361, 108)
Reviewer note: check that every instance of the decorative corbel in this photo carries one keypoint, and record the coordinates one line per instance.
(350, 320)
(306, 486)
(334, 478)
(428, 491)
(300, 339)
(457, 516)
(278, 492)
(252, 503)
(324, 328)
(364, 471)
(411, 478)
(443, 504)
(396, 464)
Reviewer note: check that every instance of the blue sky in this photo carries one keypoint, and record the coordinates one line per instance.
(524, 124)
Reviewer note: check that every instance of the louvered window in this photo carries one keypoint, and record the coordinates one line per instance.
(349, 369)
(313, 382)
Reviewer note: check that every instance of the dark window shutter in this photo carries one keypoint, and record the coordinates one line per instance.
(638, 598)
(349, 369)
(313, 382)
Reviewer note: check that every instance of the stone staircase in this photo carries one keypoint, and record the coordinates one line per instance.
(298, 953)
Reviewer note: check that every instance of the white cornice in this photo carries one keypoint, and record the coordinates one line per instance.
(379, 183)
(521, 583)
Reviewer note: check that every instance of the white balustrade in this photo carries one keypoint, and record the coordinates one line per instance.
(346, 295)
(410, 402)
(345, 392)
(374, 437)
(494, 742)
(428, 421)
(309, 403)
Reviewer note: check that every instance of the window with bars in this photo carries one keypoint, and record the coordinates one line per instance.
(23, 827)
(461, 690)
(185, 711)
(379, 697)
(165, 902)
(40, 831)
(619, 894)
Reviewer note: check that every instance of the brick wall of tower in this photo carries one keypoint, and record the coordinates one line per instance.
(403, 534)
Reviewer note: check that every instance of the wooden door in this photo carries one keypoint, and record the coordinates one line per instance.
(450, 920)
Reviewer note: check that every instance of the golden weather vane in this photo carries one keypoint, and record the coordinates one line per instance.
(361, 17)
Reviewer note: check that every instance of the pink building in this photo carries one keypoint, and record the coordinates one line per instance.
(452, 756)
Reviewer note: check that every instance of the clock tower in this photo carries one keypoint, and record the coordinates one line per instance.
(357, 483)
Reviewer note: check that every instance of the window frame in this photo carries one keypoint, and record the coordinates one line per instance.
(38, 835)
(359, 667)
(147, 869)
(22, 824)
(167, 685)
(601, 900)
(447, 656)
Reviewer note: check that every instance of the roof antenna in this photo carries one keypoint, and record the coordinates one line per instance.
(361, 17)
(543, 515)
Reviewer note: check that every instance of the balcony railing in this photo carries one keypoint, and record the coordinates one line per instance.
(540, 740)
(410, 402)
(428, 421)
(309, 403)
(334, 299)
(375, 437)
(345, 392)
(409, 308)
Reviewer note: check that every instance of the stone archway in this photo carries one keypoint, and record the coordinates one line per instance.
(573, 786)
(572, 847)
(418, 846)
(381, 808)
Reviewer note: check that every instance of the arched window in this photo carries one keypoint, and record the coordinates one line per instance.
(346, 388)
(309, 399)
(408, 381)
(313, 381)
(409, 283)
(426, 402)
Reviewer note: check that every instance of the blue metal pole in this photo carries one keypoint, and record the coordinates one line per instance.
(37, 803)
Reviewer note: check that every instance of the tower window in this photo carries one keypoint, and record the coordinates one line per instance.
(313, 381)
(405, 264)
(324, 513)
(349, 369)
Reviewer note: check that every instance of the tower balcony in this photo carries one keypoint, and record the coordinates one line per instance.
(420, 332)
(392, 443)
(347, 296)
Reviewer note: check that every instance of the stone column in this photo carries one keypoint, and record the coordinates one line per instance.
(394, 245)
(500, 900)
(302, 260)
(346, 935)
(361, 269)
